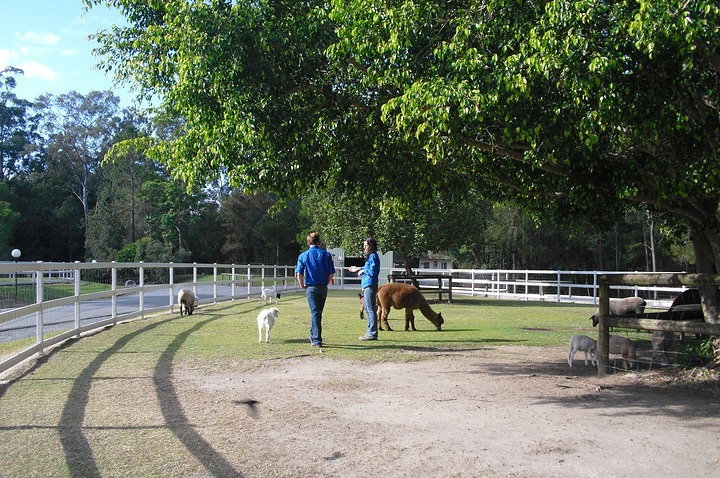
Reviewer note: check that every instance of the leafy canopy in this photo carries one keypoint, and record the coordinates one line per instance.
(583, 106)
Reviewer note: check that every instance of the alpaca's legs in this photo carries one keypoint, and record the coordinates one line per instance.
(409, 319)
(382, 317)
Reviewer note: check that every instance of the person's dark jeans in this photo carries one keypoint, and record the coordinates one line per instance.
(316, 295)
(371, 309)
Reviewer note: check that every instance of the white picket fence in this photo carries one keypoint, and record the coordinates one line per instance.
(45, 303)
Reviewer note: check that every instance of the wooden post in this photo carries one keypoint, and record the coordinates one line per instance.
(603, 330)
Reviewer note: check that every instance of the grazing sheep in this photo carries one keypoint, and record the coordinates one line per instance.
(662, 343)
(584, 343)
(626, 306)
(404, 296)
(186, 298)
(625, 347)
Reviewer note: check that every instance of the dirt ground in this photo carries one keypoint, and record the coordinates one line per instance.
(491, 411)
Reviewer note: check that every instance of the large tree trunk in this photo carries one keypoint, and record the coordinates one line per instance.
(408, 268)
(706, 244)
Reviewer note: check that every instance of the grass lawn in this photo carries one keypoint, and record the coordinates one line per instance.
(228, 331)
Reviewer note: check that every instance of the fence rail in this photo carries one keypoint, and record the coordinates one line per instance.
(45, 303)
(545, 285)
(42, 304)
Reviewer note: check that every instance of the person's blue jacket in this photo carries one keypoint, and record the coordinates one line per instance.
(317, 265)
(371, 271)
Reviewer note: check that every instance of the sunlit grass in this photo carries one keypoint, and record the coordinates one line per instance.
(228, 331)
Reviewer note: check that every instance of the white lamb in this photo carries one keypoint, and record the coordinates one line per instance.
(270, 294)
(584, 343)
(266, 320)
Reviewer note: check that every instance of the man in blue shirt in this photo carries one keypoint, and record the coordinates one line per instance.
(370, 275)
(314, 271)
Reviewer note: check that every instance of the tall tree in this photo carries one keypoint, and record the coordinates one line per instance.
(240, 213)
(581, 106)
(173, 212)
(590, 103)
(14, 126)
(80, 130)
(9, 218)
(51, 225)
(121, 211)
(276, 232)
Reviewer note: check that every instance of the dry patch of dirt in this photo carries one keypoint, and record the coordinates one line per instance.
(495, 411)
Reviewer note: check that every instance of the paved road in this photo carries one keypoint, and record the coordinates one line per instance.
(60, 319)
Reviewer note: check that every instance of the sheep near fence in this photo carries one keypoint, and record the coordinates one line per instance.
(646, 321)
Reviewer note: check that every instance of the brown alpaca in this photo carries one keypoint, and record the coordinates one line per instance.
(404, 296)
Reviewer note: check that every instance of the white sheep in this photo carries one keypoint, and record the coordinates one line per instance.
(187, 298)
(662, 343)
(626, 306)
(625, 347)
(269, 294)
(584, 343)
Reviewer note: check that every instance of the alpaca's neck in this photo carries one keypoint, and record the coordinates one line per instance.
(425, 309)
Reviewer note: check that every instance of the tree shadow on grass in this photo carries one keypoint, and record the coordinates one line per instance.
(174, 415)
(78, 452)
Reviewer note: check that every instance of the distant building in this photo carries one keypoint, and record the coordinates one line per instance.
(435, 260)
(388, 260)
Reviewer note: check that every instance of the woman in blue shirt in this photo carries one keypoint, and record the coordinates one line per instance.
(370, 274)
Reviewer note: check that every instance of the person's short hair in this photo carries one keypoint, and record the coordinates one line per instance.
(372, 243)
(313, 239)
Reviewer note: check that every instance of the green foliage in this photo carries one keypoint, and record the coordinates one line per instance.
(16, 127)
(9, 218)
(698, 354)
(344, 220)
(128, 253)
(149, 250)
(567, 108)
(119, 217)
(79, 130)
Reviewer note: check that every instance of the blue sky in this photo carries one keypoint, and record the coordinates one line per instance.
(48, 40)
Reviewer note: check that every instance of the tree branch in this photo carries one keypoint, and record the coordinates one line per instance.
(553, 168)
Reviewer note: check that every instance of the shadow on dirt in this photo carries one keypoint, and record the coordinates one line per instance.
(621, 393)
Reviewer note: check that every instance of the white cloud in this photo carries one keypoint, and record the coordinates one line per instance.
(34, 51)
(67, 53)
(38, 69)
(42, 38)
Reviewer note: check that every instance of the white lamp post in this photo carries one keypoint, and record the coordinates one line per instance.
(15, 253)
